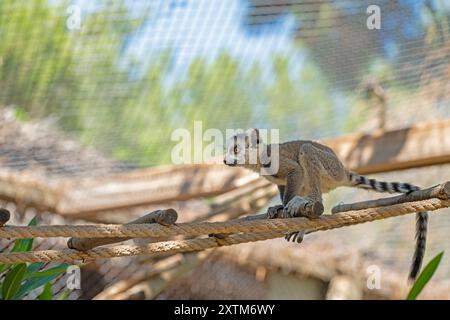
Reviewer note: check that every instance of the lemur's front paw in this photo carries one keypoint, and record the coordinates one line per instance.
(304, 206)
(272, 212)
(295, 236)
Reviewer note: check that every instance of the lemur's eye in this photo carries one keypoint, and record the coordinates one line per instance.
(235, 150)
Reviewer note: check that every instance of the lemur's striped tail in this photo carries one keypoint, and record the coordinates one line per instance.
(380, 186)
(421, 217)
(421, 240)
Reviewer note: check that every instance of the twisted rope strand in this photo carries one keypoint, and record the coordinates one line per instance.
(256, 228)
(234, 226)
(70, 255)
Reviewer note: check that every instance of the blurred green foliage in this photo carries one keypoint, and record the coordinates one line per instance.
(49, 70)
(129, 109)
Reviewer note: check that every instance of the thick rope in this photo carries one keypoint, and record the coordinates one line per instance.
(258, 230)
(234, 226)
(130, 250)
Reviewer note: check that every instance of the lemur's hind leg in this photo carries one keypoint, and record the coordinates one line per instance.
(322, 171)
(309, 204)
(320, 166)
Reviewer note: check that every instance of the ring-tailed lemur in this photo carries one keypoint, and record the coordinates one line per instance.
(306, 170)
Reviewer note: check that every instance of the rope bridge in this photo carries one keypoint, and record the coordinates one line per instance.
(85, 239)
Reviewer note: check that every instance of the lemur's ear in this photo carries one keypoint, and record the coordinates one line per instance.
(254, 138)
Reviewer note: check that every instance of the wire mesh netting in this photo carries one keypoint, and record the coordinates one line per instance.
(122, 75)
(95, 88)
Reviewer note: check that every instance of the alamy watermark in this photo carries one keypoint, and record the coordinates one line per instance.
(242, 148)
(373, 277)
(73, 21)
(74, 277)
(373, 21)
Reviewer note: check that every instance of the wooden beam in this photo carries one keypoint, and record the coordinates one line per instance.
(421, 145)
(152, 186)
(417, 146)
(82, 197)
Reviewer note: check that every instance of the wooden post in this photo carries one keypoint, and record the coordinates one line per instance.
(4, 216)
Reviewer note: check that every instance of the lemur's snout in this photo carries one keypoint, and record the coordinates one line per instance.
(229, 163)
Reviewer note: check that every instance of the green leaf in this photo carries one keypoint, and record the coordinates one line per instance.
(34, 267)
(61, 268)
(4, 267)
(12, 281)
(47, 293)
(64, 295)
(23, 245)
(424, 277)
(39, 279)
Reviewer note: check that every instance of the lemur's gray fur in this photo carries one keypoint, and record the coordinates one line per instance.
(308, 169)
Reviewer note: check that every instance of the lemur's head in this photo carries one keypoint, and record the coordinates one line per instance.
(246, 150)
